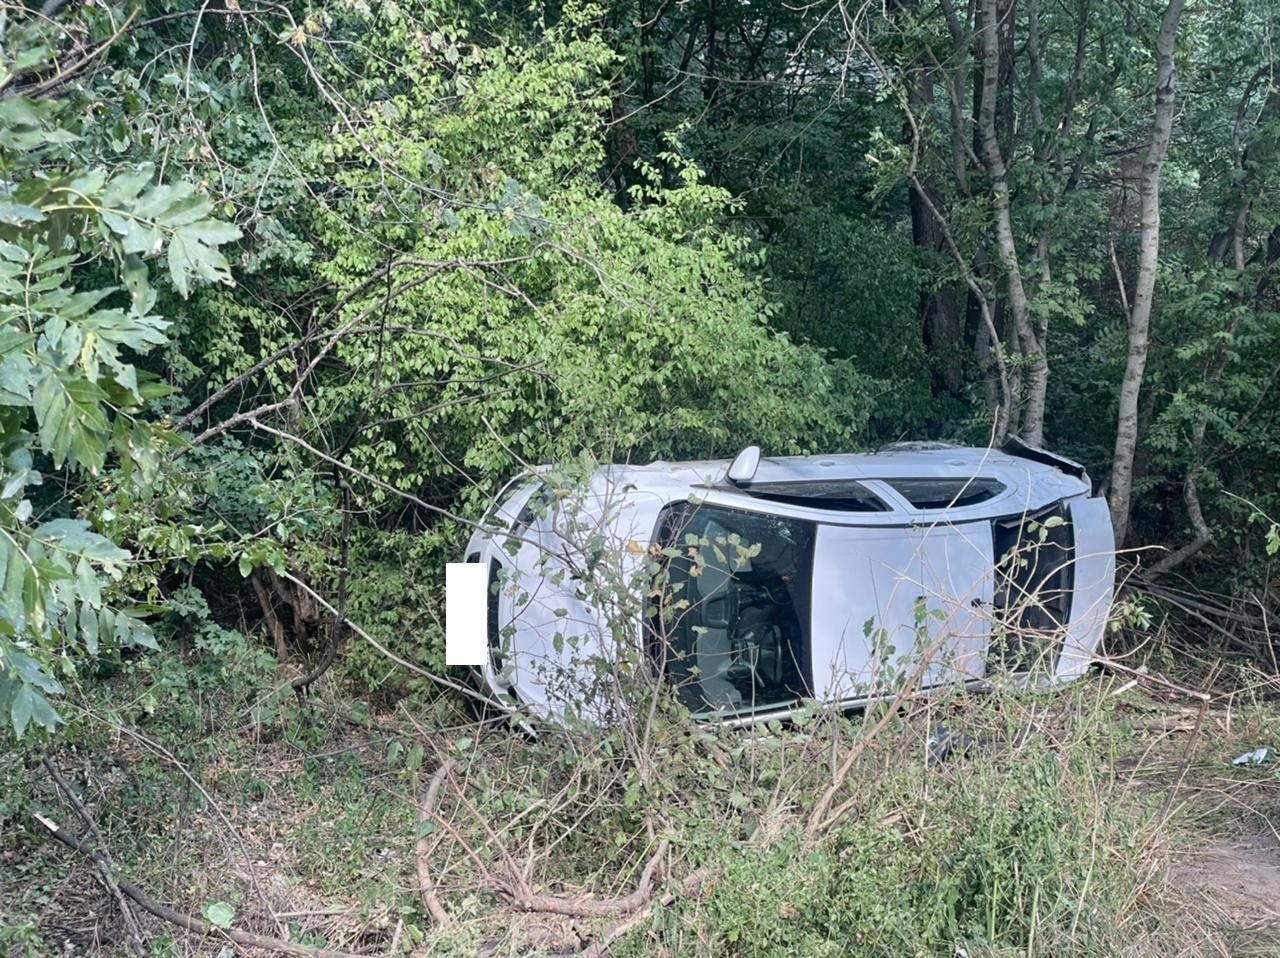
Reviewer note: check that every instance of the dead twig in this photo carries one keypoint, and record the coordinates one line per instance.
(427, 844)
(822, 817)
(599, 947)
(1167, 807)
(596, 908)
(158, 749)
(105, 865)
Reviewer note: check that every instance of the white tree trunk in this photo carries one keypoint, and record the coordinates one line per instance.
(1030, 346)
(1144, 284)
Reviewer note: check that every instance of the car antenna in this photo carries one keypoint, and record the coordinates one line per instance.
(743, 468)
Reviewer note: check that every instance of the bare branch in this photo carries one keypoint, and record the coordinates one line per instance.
(597, 908)
(427, 844)
(106, 867)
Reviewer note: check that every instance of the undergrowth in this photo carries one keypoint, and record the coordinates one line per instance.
(1025, 839)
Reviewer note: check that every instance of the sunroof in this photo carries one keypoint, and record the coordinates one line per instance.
(837, 495)
(946, 493)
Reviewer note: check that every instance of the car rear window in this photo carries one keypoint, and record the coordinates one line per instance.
(838, 495)
(946, 493)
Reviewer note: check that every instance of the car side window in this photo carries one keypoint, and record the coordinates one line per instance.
(729, 623)
(946, 493)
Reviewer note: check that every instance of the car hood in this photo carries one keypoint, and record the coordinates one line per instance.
(574, 592)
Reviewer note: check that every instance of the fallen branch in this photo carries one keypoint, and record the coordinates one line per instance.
(691, 884)
(426, 845)
(182, 919)
(1203, 536)
(822, 817)
(1167, 807)
(599, 948)
(600, 908)
(1116, 665)
(168, 756)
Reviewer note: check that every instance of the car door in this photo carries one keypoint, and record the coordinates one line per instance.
(883, 598)
(866, 582)
(957, 575)
(1094, 578)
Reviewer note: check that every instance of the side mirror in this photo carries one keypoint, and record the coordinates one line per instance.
(744, 465)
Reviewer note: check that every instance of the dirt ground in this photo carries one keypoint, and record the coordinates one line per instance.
(1234, 882)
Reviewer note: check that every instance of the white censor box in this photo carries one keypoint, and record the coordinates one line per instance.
(466, 586)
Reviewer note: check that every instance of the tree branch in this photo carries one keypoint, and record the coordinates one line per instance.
(426, 845)
(1202, 535)
(596, 908)
(105, 866)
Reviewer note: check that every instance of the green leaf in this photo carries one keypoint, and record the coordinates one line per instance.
(32, 599)
(89, 631)
(17, 373)
(17, 214)
(74, 536)
(136, 236)
(193, 254)
(219, 914)
(88, 584)
(123, 190)
(29, 672)
(30, 706)
(133, 631)
(71, 421)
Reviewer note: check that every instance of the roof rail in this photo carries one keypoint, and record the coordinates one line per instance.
(916, 445)
(1014, 446)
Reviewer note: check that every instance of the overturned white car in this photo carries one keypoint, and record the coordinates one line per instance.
(759, 585)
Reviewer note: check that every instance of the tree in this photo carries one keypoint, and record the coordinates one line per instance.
(76, 307)
(1121, 489)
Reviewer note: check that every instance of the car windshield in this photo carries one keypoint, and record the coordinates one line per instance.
(729, 622)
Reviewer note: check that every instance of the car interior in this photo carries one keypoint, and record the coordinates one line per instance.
(739, 642)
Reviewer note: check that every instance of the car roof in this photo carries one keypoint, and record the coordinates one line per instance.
(905, 461)
(1032, 479)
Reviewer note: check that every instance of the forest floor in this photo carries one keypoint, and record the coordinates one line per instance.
(1226, 862)
(1237, 880)
(1224, 839)
(306, 829)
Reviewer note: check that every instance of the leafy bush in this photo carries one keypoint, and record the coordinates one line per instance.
(396, 596)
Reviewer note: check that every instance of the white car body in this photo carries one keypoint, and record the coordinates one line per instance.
(872, 562)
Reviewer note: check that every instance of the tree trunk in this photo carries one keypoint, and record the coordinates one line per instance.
(941, 322)
(273, 623)
(1030, 347)
(711, 62)
(1144, 284)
